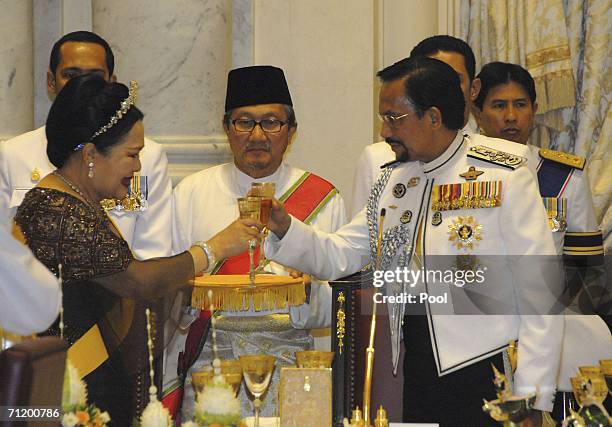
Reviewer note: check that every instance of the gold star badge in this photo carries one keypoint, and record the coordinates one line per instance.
(471, 174)
(35, 175)
(465, 232)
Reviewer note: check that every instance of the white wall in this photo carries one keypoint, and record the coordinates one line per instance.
(326, 50)
(330, 51)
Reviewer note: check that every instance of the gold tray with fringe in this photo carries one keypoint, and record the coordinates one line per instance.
(233, 292)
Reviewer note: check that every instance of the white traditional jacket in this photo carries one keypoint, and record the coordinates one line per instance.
(516, 226)
(24, 162)
(205, 203)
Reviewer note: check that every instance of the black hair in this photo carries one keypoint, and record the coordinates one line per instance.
(429, 83)
(82, 107)
(432, 45)
(82, 37)
(498, 73)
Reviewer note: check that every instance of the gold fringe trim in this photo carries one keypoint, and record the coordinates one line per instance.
(241, 298)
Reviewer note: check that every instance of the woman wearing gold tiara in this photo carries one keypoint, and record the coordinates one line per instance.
(95, 133)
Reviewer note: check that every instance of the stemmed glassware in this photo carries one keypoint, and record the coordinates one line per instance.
(250, 208)
(257, 371)
(266, 191)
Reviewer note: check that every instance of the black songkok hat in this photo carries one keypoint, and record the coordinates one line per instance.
(259, 84)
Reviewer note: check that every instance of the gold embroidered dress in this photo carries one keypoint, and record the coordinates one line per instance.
(61, 229)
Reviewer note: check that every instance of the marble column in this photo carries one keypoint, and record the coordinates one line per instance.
(51, 19)
(180, 53)
(16, 92)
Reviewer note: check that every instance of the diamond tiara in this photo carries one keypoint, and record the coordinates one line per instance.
(125, 106)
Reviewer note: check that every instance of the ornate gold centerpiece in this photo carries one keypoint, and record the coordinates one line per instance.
(590, 390)
(510, 410)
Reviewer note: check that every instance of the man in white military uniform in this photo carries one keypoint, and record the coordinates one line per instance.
(454, 52)
(444, 197)
(145, 219)
(260, 123)
(505, 108)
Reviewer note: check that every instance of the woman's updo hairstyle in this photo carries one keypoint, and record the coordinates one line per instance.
(86, 104)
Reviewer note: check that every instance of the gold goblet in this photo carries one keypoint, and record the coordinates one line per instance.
(250, 208)
(200, 379)
(257, 371)
(266, 191)
(231, 369)
(314, 359)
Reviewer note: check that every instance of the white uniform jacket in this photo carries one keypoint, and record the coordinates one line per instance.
(509, 229)
(24, 161)
(587, 338)
(30, 296)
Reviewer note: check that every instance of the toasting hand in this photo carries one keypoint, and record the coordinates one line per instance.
(279, 220)
(235, 238)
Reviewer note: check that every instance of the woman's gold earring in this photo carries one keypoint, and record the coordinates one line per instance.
(90, 174)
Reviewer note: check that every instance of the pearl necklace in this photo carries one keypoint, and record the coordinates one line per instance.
(73, 187)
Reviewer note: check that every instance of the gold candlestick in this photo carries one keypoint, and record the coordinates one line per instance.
(367, 386)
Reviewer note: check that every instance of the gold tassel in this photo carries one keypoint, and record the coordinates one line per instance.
(240, 299)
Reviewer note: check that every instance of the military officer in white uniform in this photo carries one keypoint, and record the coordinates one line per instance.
(449, 194)
(505, 108)
(145, 218)
(454, 52)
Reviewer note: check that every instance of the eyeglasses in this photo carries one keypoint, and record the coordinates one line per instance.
(392, 121)
(267, 125)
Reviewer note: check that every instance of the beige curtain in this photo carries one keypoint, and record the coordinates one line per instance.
(565, 46)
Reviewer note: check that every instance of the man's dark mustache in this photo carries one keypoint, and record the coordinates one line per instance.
(259, 146)
(394, 141)
(404, 156)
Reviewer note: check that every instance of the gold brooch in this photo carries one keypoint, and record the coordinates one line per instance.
(35, 175)
(465, 232)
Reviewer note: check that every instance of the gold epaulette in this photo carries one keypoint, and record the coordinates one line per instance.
(572, 160)
(497, 157)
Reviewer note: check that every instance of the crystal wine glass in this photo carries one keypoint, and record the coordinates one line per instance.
(250, 208)
(266, 191)
(257, 371)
